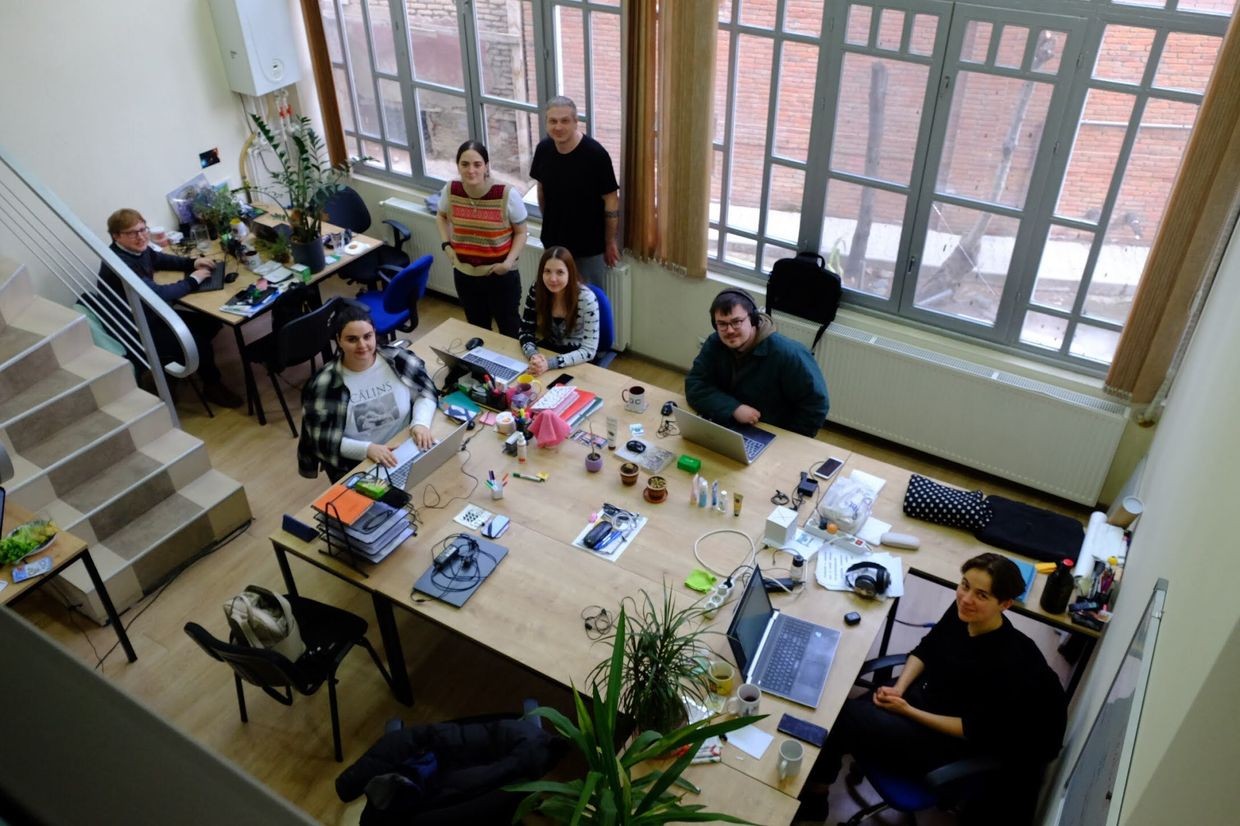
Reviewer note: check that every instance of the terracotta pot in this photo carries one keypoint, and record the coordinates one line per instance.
(656, 490)
(628, 473)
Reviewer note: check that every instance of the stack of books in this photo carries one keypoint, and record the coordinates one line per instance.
(572, 404)
(366, 527)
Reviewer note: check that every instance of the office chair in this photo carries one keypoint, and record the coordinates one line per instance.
(299, 333)
(942, 788)
(606, 329)
(347, 209)
(397, 306)
(329, 634)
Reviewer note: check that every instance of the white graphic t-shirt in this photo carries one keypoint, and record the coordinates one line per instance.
(379, 408)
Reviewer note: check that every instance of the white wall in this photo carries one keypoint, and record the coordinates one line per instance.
(1188, 748)
(110, 103)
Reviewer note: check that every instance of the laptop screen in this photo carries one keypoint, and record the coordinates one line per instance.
(753, 613)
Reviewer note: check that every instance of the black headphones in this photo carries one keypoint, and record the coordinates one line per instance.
(868, 579)
(746, 302)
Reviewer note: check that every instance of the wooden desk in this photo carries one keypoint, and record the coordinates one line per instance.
(64, 551)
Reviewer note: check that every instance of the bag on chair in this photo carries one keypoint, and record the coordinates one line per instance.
(265, 620)
(804, 287)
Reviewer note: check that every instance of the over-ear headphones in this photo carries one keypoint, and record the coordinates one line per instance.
(868, 579)
(743, 298)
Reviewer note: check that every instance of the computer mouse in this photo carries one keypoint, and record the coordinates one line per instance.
(473, 342)
(230, 277)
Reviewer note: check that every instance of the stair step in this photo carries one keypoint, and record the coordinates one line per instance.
(74, 423)
(37, 380)
(16, 289)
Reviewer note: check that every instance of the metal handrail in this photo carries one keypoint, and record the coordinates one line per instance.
(124, 317)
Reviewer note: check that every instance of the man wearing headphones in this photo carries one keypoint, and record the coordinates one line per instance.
(748, 373)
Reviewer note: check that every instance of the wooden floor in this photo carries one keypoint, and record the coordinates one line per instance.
(289, 749)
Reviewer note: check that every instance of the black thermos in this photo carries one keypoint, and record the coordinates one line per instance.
(1058, 591)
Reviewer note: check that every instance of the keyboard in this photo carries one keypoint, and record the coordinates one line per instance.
(494, 368)
(781, 668)
(400, 474)
(216, 281)
(752, 447)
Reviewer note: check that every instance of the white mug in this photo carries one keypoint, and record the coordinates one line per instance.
(634, 399)
(745, 703)
(791, 755)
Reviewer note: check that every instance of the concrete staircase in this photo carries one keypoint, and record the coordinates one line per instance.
(100, 456)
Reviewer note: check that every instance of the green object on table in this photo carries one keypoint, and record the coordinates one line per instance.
(689, 464)
(701, 580)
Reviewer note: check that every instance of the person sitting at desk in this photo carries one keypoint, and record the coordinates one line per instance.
(131, 243)
(561, 314)
(973, 686)
(362, 399)
(747, 372)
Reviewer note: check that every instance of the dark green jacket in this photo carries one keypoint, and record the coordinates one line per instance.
(778, 377)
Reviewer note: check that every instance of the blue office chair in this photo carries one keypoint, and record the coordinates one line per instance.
(942, 788)
(606, 329)
(397, 306)
(347, 209)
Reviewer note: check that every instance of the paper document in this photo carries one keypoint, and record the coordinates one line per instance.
(834, 562)
(751, 740)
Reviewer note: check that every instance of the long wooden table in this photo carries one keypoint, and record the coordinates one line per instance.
(530, 608)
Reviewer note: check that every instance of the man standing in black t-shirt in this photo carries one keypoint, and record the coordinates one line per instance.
(577, 193)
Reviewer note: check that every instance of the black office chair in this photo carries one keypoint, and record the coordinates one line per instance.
(347, 209)
(942, 788)
(329, 634)
(604, 356)
(397, 306)
(299, 333)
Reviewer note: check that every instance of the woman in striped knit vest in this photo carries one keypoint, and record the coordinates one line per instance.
(483, 230)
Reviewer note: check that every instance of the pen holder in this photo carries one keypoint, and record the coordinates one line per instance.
(497, 491)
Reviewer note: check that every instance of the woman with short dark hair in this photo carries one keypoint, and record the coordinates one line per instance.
(973, 686)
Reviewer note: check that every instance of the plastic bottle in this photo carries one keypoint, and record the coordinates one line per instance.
(798, 569)
(1058, 589)
(521, 449)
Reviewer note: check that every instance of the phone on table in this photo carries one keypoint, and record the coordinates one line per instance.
(563, 378)
(827, 470)
(803, 730)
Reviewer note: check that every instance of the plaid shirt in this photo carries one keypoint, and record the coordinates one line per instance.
(325, 405)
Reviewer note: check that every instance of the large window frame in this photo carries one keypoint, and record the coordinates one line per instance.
(397, 143)
(1019, 298)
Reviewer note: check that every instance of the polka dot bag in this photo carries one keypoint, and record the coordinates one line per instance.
(943, 505)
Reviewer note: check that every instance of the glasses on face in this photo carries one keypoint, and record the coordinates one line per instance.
(133, 233)
(730, 324)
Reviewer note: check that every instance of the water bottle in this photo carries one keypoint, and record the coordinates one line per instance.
(1058, 590)
(522, 452)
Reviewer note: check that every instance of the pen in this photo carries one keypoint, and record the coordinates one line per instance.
(528, 477)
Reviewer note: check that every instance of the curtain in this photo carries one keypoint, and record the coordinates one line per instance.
(668, 167)
(1200, 217)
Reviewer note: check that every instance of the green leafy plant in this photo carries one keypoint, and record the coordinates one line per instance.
(276, 249)
(609, 793)
(305, 180)
(663, 663)
(215, 207)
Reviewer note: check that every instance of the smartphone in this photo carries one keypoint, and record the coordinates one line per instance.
(803, 730)
(563, 378)
(827, 470)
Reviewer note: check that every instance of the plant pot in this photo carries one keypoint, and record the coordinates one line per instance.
(594, 462)
(656, 490)
(310, 253)
(628, 474)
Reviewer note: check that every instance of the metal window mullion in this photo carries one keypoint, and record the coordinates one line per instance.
(471, 58)
(374, 83)
(906, 36)
(872, 183)
(544, 48)
(992, 48)
(729, 121)
(822, 124)
(764, 188)
(586, 48)
(350, 79)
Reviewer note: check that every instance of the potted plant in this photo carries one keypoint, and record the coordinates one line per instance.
(662, 664)
(302, 184)
(609, 792)
(215, 207)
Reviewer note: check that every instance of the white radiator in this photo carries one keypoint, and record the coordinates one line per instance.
(1028, 431)
(617, 284)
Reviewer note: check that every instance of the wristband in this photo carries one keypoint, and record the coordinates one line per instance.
(445, 245)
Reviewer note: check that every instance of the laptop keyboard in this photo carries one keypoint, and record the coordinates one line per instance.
(752, 447)
(495, 369)
(401, 474)
(781, 668)
(215, 281)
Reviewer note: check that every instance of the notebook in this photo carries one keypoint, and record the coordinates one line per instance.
(744, 443)
(480, 361)
(782, 655)
(458, 578)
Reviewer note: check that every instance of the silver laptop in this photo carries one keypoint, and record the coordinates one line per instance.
(480, 361)
(782, 655)
(414, 465)
(743, 442)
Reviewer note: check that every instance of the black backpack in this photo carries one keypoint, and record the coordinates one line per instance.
(804, 287)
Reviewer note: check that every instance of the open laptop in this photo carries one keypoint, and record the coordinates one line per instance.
(782, 655)
(744, 442)
(480, 361)
(216, 279)
(414, 465)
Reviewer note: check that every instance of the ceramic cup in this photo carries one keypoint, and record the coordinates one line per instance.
(722, 676)
(745, 703)
(791, 755)
(634, 399)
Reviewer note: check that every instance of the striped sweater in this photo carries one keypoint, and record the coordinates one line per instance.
(576, 346)
(481, 231)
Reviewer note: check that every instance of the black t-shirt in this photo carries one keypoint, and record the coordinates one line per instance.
(998, 683)
(573, 188)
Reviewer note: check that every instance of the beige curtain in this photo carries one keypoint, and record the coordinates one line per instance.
(1200, 217)
(667, 172)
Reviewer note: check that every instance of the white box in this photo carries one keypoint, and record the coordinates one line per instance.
(781, 527)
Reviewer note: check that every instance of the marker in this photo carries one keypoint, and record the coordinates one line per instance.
(542, 477)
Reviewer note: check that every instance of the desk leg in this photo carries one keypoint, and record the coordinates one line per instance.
(290, 585)
(1078, 670)
(108, 607)
(253, 403)
(391, 646)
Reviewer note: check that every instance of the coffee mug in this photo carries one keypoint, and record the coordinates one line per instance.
(634, 399)
(791, 755)
(525, 386)
(745, 703)
(721, 675)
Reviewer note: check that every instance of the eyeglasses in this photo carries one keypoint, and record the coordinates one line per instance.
(139, 231)
(734, 324)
